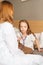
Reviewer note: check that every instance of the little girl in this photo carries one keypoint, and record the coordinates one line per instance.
(27, 38)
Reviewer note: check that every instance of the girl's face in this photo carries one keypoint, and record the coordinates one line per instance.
(23, 27)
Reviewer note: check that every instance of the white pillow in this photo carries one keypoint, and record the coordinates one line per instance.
(37, 35)
(41, 40)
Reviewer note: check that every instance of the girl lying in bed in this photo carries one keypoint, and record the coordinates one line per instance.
(9, 52)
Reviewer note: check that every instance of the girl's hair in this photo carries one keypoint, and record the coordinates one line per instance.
(5, 11)
(28, 29)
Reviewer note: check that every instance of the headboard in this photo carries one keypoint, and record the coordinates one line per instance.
(36, 26)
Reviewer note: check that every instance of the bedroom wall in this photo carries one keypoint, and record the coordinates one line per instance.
(31, 10)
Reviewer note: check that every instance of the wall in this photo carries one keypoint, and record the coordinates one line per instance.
(31, 10)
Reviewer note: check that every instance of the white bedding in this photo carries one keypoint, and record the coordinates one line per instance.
(6, 58)
(9, 52)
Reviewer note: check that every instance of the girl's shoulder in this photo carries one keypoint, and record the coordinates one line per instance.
(30, 35)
